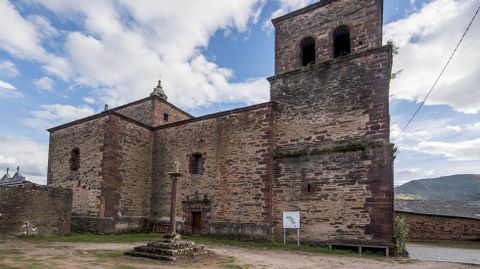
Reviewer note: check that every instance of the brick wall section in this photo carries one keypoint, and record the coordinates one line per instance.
(334, 101)
(140, 111)
(45, 209)
(86, 182)
(150, 111)
(237, 175)
(134, 151)
(332, 132)
(430, 227)
(109, 193)
(363, 17)
(174, 114)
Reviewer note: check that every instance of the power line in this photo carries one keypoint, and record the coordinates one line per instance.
(439, 76)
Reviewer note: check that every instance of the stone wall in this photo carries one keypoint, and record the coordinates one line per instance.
(111, 188)
(86, 182)
(140, 111)
(35, 210)
(234, 191)
(151, 112)
(432, 228)
(126, 171)
(363, 17)
(162, 107)
(333, 160)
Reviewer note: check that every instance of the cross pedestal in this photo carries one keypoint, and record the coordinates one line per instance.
(171, 248)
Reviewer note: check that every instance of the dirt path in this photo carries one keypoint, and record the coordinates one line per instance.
(286, 259)
(22, 254)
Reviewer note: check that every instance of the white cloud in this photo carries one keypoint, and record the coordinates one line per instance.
(426, 39)
(465, 127)
(6, 85)
(31, 156)
(44, 84)
(89, 100)
(455, 151)
(17, 35)
(415, 171)
(121, 49)
(23, 39)
(7, 160)
(7, 68)
(8, 90)
(55, 114)
(43, 26)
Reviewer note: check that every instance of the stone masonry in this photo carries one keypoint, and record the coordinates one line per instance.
(35, 210)
(320, 146)
(425, 227)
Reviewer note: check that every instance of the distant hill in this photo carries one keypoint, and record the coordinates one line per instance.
(450, 188)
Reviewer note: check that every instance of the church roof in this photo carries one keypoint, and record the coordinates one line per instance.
(6, 177)
(463, 209)
(17, 178)
(157, 94)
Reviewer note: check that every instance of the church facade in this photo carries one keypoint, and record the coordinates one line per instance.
(320, 146)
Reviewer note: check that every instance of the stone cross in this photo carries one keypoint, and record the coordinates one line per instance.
(173, 203)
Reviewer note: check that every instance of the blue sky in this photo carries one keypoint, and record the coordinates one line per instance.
(62, 60)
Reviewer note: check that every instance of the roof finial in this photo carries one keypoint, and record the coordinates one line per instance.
(8, 169)
(18, 168)
(158, 91)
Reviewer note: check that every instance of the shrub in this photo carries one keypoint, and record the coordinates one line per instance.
(400, 234)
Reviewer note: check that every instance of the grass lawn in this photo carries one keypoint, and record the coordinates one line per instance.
(143, 237)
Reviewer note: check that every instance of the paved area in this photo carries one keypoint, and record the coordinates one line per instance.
(464, 252)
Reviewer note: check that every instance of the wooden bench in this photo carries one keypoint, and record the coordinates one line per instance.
(360, 247)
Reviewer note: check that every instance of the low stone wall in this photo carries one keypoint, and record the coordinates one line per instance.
(432, 227)
(242, 230)
(35, 210)
(109, 225)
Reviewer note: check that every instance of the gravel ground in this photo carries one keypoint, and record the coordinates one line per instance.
(22, 254)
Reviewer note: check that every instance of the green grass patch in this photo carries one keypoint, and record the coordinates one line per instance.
(104, 254)
(123, 266)
(230, 263)
(144, 237)
(3, 266)
(10, 251)
(264, 245)
(38, 266)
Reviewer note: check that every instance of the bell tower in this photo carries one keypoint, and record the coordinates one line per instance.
(325, 30)
(331, 122)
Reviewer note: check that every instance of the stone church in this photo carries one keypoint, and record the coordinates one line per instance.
(320, 146)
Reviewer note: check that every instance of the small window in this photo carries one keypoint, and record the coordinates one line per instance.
(341, 41)
(75, 159)
(196, 164)
(308, 188)
(165, 116)
(307, 51)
